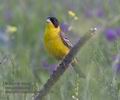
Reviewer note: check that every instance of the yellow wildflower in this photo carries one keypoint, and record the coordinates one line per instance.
(71, 13)
(11, 29)
(75, 18)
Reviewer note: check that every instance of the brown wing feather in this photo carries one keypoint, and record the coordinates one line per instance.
(67, 42)
(65, 39)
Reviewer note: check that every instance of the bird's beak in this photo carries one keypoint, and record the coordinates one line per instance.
(48, 21)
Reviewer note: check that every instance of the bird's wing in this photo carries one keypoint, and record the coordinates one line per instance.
(65, 39)
(67, 42)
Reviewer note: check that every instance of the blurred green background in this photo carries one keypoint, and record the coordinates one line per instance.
(24, 59)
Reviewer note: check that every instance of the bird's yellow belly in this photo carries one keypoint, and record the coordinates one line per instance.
(56, 48)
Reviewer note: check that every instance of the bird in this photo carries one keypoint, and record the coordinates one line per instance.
(56, 42)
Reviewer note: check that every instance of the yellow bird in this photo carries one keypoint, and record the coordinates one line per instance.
(55, 41)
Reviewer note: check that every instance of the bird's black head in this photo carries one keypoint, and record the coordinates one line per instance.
(54, 21)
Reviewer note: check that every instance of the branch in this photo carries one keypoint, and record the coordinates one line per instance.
(63, 65)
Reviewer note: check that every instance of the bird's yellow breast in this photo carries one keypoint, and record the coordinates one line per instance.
(53, 43)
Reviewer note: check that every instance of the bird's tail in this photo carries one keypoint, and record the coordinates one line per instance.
(76, 68)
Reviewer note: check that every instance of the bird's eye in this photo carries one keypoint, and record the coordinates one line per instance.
(54, 21)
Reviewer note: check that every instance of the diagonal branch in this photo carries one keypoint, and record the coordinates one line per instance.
(63, 65)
